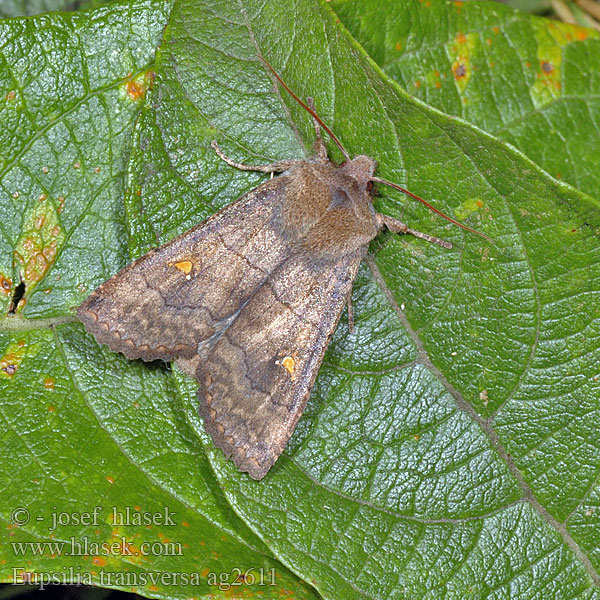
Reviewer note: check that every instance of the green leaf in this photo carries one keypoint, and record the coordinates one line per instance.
(89, 435)
(441, 452)
(21, 8)
(449, 448)
(529, 81)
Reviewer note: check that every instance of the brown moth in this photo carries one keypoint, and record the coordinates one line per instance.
(247, 301)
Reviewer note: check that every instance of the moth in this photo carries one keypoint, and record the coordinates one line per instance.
(247, 301)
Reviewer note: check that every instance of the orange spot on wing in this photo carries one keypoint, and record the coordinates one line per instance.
(184, 265)
(289, 364)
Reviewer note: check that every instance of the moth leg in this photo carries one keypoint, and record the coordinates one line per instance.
(319, 145)
(350, 314)
(276, 167)
(396, 226)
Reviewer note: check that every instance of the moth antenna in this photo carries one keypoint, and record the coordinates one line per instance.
(431, 207)
(307, 109)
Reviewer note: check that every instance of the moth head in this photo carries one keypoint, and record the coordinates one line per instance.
(360, 168)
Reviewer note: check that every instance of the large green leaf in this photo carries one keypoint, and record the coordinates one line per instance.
(449, 449)
(440, 454)
(83, 427)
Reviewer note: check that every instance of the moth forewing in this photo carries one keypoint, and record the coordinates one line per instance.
(174, 298)
(255, 382)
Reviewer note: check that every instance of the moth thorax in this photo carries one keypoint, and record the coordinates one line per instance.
(360, 168)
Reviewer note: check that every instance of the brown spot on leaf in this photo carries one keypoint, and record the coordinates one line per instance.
(11, 95)
(9, 368)
(459, 70)
(49, 383)
(38, 246)
(398, 46)
(547, 67)
(5, 285)
(417, 84)
(135, 90)
(10, 361)
(461, 38)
